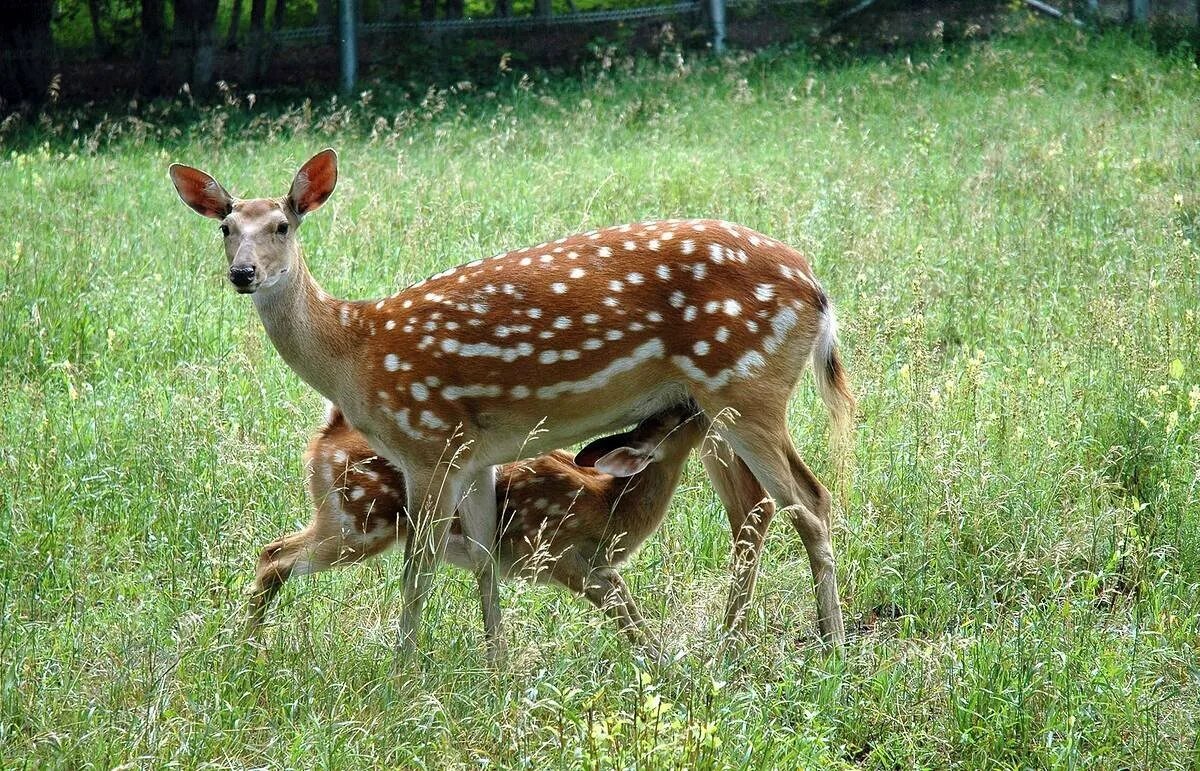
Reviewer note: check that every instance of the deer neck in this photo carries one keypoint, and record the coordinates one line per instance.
(303, 323)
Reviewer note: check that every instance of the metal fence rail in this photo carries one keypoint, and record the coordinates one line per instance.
(578, 18)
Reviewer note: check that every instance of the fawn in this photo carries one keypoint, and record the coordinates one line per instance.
(569, 521)
(577, 338)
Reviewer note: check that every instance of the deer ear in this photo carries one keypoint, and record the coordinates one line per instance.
(597, 449)
(200, 191)
(314, 182)
(624, 461)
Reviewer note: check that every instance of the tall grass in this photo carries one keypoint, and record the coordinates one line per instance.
(1009, 231)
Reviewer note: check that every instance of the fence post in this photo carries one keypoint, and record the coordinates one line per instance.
(349, 35)
(717, 9)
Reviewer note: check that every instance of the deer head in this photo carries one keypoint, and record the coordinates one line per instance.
(259, 233)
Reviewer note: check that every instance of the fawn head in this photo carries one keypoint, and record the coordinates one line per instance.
(657, 438)
(259, 233)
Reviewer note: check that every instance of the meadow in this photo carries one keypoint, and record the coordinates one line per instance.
(1009, 230)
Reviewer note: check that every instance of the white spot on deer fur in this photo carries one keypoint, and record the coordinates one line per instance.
(764, 292)
(721, 335)
(635, 278)
(653, 244)
(391, 362)
(357, 493)
(558, 287)
(534, 313)
(406, 304)
(545, 259)
(525, 262)
(434, 297)
(591, 318)
(613, 334)
(477, 263)
(663, 272)
(615, 285)
(651, 349)
(379, 305)
(591, 344)
(747, 365)
(701, 347)
(419, 391)
(668, 235)
(654, 317)
(677, 299)
(689, 313)
(732, 307)
(401, 418)
(429, 326)
(429, 420)
(562, 322)
(781, 324)
(625, 228)
(752, 325)
(699, 227)
(345, 315)
(451, 325)
(687, 246)
(450, 345)
(545, 334)
(339, 456)
(391, 324)
(452, 393)
(577, 273)
(480, 308)
(755, 240)
(699, 271)
(630, 246)
(569, 355)
(711, 306)
(519, 392)
(611, 302)
(604, 251)
(548, 357)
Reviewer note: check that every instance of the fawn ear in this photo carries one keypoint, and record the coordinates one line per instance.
(625, 461)
(314, 182)
(200, 191)
(597, 449)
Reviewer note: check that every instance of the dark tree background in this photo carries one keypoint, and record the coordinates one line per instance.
(104, 49)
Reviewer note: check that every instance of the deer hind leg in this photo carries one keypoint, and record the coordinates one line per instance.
(328, 542)
(759, 437)
(749, 510)
(479, 516)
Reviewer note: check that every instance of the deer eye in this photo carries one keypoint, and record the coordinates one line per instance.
(282, 229)
(225, 230)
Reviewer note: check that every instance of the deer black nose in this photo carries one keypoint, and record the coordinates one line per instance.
(241, 275)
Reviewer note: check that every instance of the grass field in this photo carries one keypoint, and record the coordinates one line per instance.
(1009, 230)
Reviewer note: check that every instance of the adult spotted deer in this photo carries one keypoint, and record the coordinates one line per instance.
(568, 522)
(544, 346)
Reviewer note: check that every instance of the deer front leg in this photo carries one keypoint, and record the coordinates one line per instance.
(603, 586)
(430, 510)
(479, 516)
